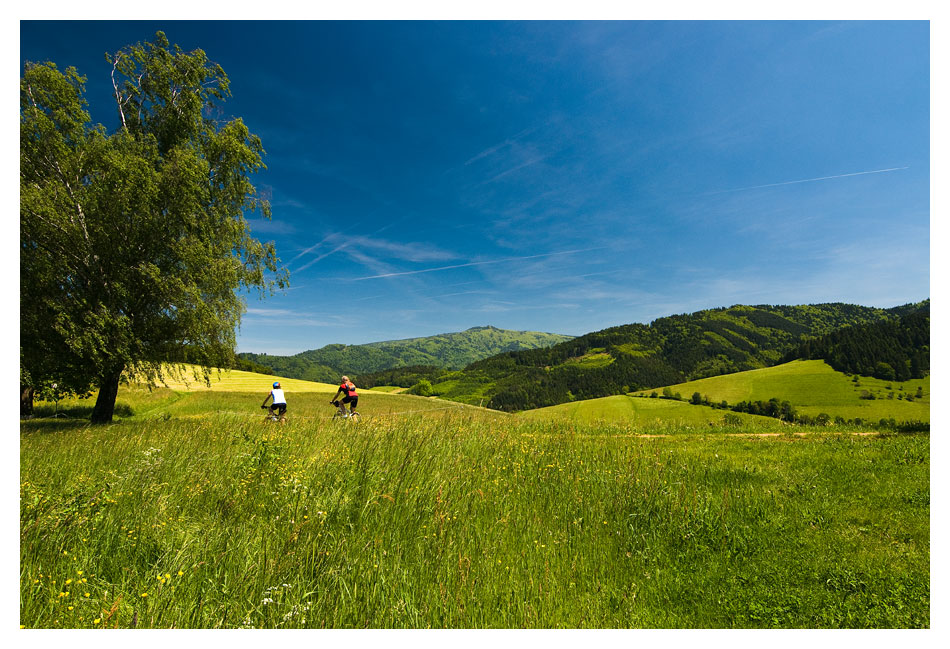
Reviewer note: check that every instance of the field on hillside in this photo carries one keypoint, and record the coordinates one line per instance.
(813, 387)
(240, 381)
(648, 413)
(305, 401)
(192, 512)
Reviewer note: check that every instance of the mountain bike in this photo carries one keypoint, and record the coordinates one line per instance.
(272, 415)
(343, 413)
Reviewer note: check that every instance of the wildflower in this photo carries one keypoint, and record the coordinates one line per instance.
(144, 594)
(97, 620)
(180, 573)
(85, 594)
(69, 581)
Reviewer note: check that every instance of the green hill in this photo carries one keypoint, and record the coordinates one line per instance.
(450, 351)
(811, 387)
(668, 351)
(887, 350)
(239, 394)
(647, 414)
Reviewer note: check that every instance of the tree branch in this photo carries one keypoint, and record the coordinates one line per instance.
(118, 97)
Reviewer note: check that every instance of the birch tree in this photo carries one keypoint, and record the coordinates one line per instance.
(134, 243)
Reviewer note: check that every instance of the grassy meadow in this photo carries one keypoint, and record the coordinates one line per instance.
(813, 387)
(191, 512)
(647, 413)
(239, 381)
(240, 394)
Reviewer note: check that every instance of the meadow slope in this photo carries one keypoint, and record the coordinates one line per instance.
(646, 413)
(191, 512)
(813, 387)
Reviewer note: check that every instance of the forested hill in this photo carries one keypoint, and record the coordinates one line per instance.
(889, 350)
(667, 351)
(450, 350)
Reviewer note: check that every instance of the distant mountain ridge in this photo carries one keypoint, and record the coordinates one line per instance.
(448, 351)
(668, 351)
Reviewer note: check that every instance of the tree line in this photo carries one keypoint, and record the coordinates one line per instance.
(785, 411)
(892, 351)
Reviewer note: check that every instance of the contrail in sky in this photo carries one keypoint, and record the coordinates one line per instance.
(310, 249)
(807, 180)
(476, 263)
(338, 248)
(323, 256)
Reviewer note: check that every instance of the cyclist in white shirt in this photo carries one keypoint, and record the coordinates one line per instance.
(279, 401)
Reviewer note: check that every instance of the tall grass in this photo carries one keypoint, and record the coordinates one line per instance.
(462, 520)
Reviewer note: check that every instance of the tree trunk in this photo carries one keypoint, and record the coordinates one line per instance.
(105, 402)
(26, 401)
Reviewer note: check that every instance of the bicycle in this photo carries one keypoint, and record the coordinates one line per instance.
(272, 415)
(343, 413)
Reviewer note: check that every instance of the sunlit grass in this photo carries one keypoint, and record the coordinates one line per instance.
(646, 413)
(813, 387)
(194, 514)
(239, 381)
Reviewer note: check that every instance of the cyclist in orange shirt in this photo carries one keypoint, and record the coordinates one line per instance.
(348, 389)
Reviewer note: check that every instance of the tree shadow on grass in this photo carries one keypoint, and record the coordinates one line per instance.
(48, 418)
(80, 411)
(52, 425)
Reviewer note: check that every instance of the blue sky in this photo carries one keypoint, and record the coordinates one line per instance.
(428, 177)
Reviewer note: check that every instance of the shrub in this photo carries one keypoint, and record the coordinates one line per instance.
(423, 388)
(732, 420)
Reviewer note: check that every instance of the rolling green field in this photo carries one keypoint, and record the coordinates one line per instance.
(239, 381)
(306, 401)
(191, 512)
(647, 413)
(388, 388)
(813, 387)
